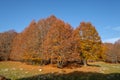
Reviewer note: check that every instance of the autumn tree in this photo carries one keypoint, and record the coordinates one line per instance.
(29, 43)
(87, 41)
(23, 40)
(16, 51)
(117, 50)
(53, 40)
(44, 25)
(56, 42)
(30, 40)
(6, 39)
(109, 54)
(112, 53)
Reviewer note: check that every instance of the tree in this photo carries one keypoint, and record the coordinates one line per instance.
(112, 53)
(28, 42)
(55, 44)
(109, 54)
(31, 40)
(87, 41)
(53, 40)
(16, 51)
(6, 39)
(117, 50)
(44, 25)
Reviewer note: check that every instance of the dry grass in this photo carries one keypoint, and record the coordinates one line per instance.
(16, 70)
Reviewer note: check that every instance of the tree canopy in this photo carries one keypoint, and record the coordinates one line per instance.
(54, 41)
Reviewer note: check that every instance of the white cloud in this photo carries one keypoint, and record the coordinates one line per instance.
(112, 40)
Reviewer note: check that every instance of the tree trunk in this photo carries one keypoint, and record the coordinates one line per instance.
(85, 62)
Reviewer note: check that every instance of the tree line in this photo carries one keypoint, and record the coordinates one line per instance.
(52, 41)
(113, 52)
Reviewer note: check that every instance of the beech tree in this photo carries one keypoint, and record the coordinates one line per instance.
(55, 43)
(112, 53)
(6, 39)
(117, 51)
(109, 54)
(28, 42)
(16, 51)
(44, 25)
(88, 41)
(31, 42)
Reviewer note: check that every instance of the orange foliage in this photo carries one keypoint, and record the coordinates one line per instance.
(53, 39)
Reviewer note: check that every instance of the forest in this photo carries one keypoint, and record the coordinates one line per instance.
(52, 41)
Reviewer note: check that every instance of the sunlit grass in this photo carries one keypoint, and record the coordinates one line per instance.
(17, 70)
(108, 67)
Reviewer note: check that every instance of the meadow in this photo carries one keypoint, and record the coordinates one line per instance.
(95, 71)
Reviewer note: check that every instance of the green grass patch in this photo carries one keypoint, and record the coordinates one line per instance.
(108, 68)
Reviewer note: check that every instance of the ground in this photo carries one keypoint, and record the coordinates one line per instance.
(18, 70)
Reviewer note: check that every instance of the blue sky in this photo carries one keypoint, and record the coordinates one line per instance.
(103, 14)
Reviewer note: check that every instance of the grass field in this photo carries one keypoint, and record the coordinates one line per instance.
(96, 71)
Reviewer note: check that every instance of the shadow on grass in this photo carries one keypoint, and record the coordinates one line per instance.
(94, 65)
(75, 76)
